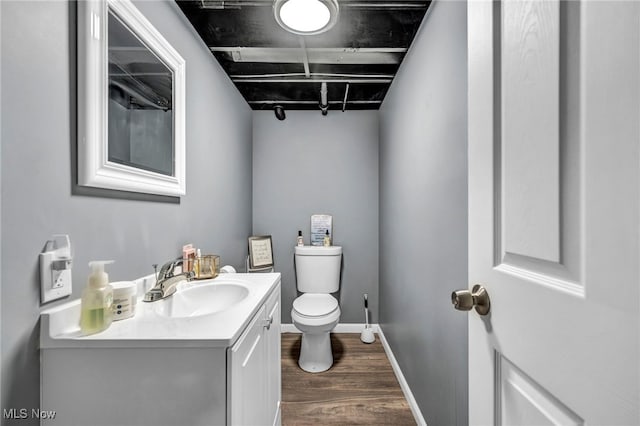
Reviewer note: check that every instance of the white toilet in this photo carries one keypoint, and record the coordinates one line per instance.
(316, 312)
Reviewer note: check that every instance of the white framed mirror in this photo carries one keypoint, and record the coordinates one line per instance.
(131, 102)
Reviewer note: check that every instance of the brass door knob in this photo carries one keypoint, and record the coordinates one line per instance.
(464, 300)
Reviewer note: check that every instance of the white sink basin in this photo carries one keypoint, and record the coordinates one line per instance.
(197, 299)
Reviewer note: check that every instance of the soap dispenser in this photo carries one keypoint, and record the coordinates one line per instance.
(96, 312)
(326, 241)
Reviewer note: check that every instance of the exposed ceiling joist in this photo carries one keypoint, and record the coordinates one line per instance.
(314, 80)
(371, 4)
(314, 55)
(312, 75)
(284, 102)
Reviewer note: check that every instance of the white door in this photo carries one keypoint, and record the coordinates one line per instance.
(554, 189)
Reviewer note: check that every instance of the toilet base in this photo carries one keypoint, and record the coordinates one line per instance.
(315, 352)
(315, 348)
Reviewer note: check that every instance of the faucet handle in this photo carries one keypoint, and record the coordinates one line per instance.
(165, 270)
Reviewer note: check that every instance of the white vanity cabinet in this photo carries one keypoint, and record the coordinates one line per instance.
(211, 370)
(255, 373)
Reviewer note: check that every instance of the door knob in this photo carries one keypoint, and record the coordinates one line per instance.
(464, 300)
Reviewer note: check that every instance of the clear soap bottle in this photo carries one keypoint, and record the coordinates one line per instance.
(326, 241)
(300, 240)
(96, 312)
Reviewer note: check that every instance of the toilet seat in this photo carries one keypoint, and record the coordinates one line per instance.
(314, 305)
(315, 310)
(319, 324)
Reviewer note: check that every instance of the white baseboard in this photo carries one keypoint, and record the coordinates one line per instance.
(417, 414)
(357, 328)
(340, 328)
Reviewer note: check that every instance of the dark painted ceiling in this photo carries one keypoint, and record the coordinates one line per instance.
(357, 58)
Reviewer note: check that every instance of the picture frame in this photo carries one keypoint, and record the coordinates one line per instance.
(320, 224)
(260, 252)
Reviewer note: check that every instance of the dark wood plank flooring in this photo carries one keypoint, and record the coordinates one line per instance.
(360, 387)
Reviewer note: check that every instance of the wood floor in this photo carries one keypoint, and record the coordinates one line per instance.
(360, 387)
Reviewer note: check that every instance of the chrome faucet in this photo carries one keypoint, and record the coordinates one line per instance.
(167, 281)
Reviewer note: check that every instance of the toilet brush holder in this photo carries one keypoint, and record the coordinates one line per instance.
(367, 335)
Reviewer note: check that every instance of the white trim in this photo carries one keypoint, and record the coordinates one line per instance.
(340, 328)
(357, 328)
(417, 414)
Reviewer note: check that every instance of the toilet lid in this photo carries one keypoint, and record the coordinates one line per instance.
(315, 305)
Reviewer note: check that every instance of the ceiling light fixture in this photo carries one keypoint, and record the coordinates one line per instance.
(279, 112)
(306, 17)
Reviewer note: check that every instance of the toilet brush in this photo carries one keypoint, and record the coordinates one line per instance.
(367, 335)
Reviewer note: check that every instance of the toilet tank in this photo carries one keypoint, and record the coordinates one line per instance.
(318, 268)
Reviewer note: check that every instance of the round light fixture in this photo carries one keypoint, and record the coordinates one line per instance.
(306, 17)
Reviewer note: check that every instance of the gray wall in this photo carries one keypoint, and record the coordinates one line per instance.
(310, 164)
(423, 215)
(38, 130)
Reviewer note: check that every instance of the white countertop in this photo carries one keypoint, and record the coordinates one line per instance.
(60, 328)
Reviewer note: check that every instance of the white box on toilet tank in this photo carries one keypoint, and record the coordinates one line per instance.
(318, 268)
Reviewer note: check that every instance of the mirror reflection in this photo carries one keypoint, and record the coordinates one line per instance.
(140, 113)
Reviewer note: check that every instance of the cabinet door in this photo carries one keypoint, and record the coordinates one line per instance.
(274, 369)
(248, 383)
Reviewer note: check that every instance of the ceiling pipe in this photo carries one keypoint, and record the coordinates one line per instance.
(307, 102)
(324, 103)
(346, 93)
(305, 57)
